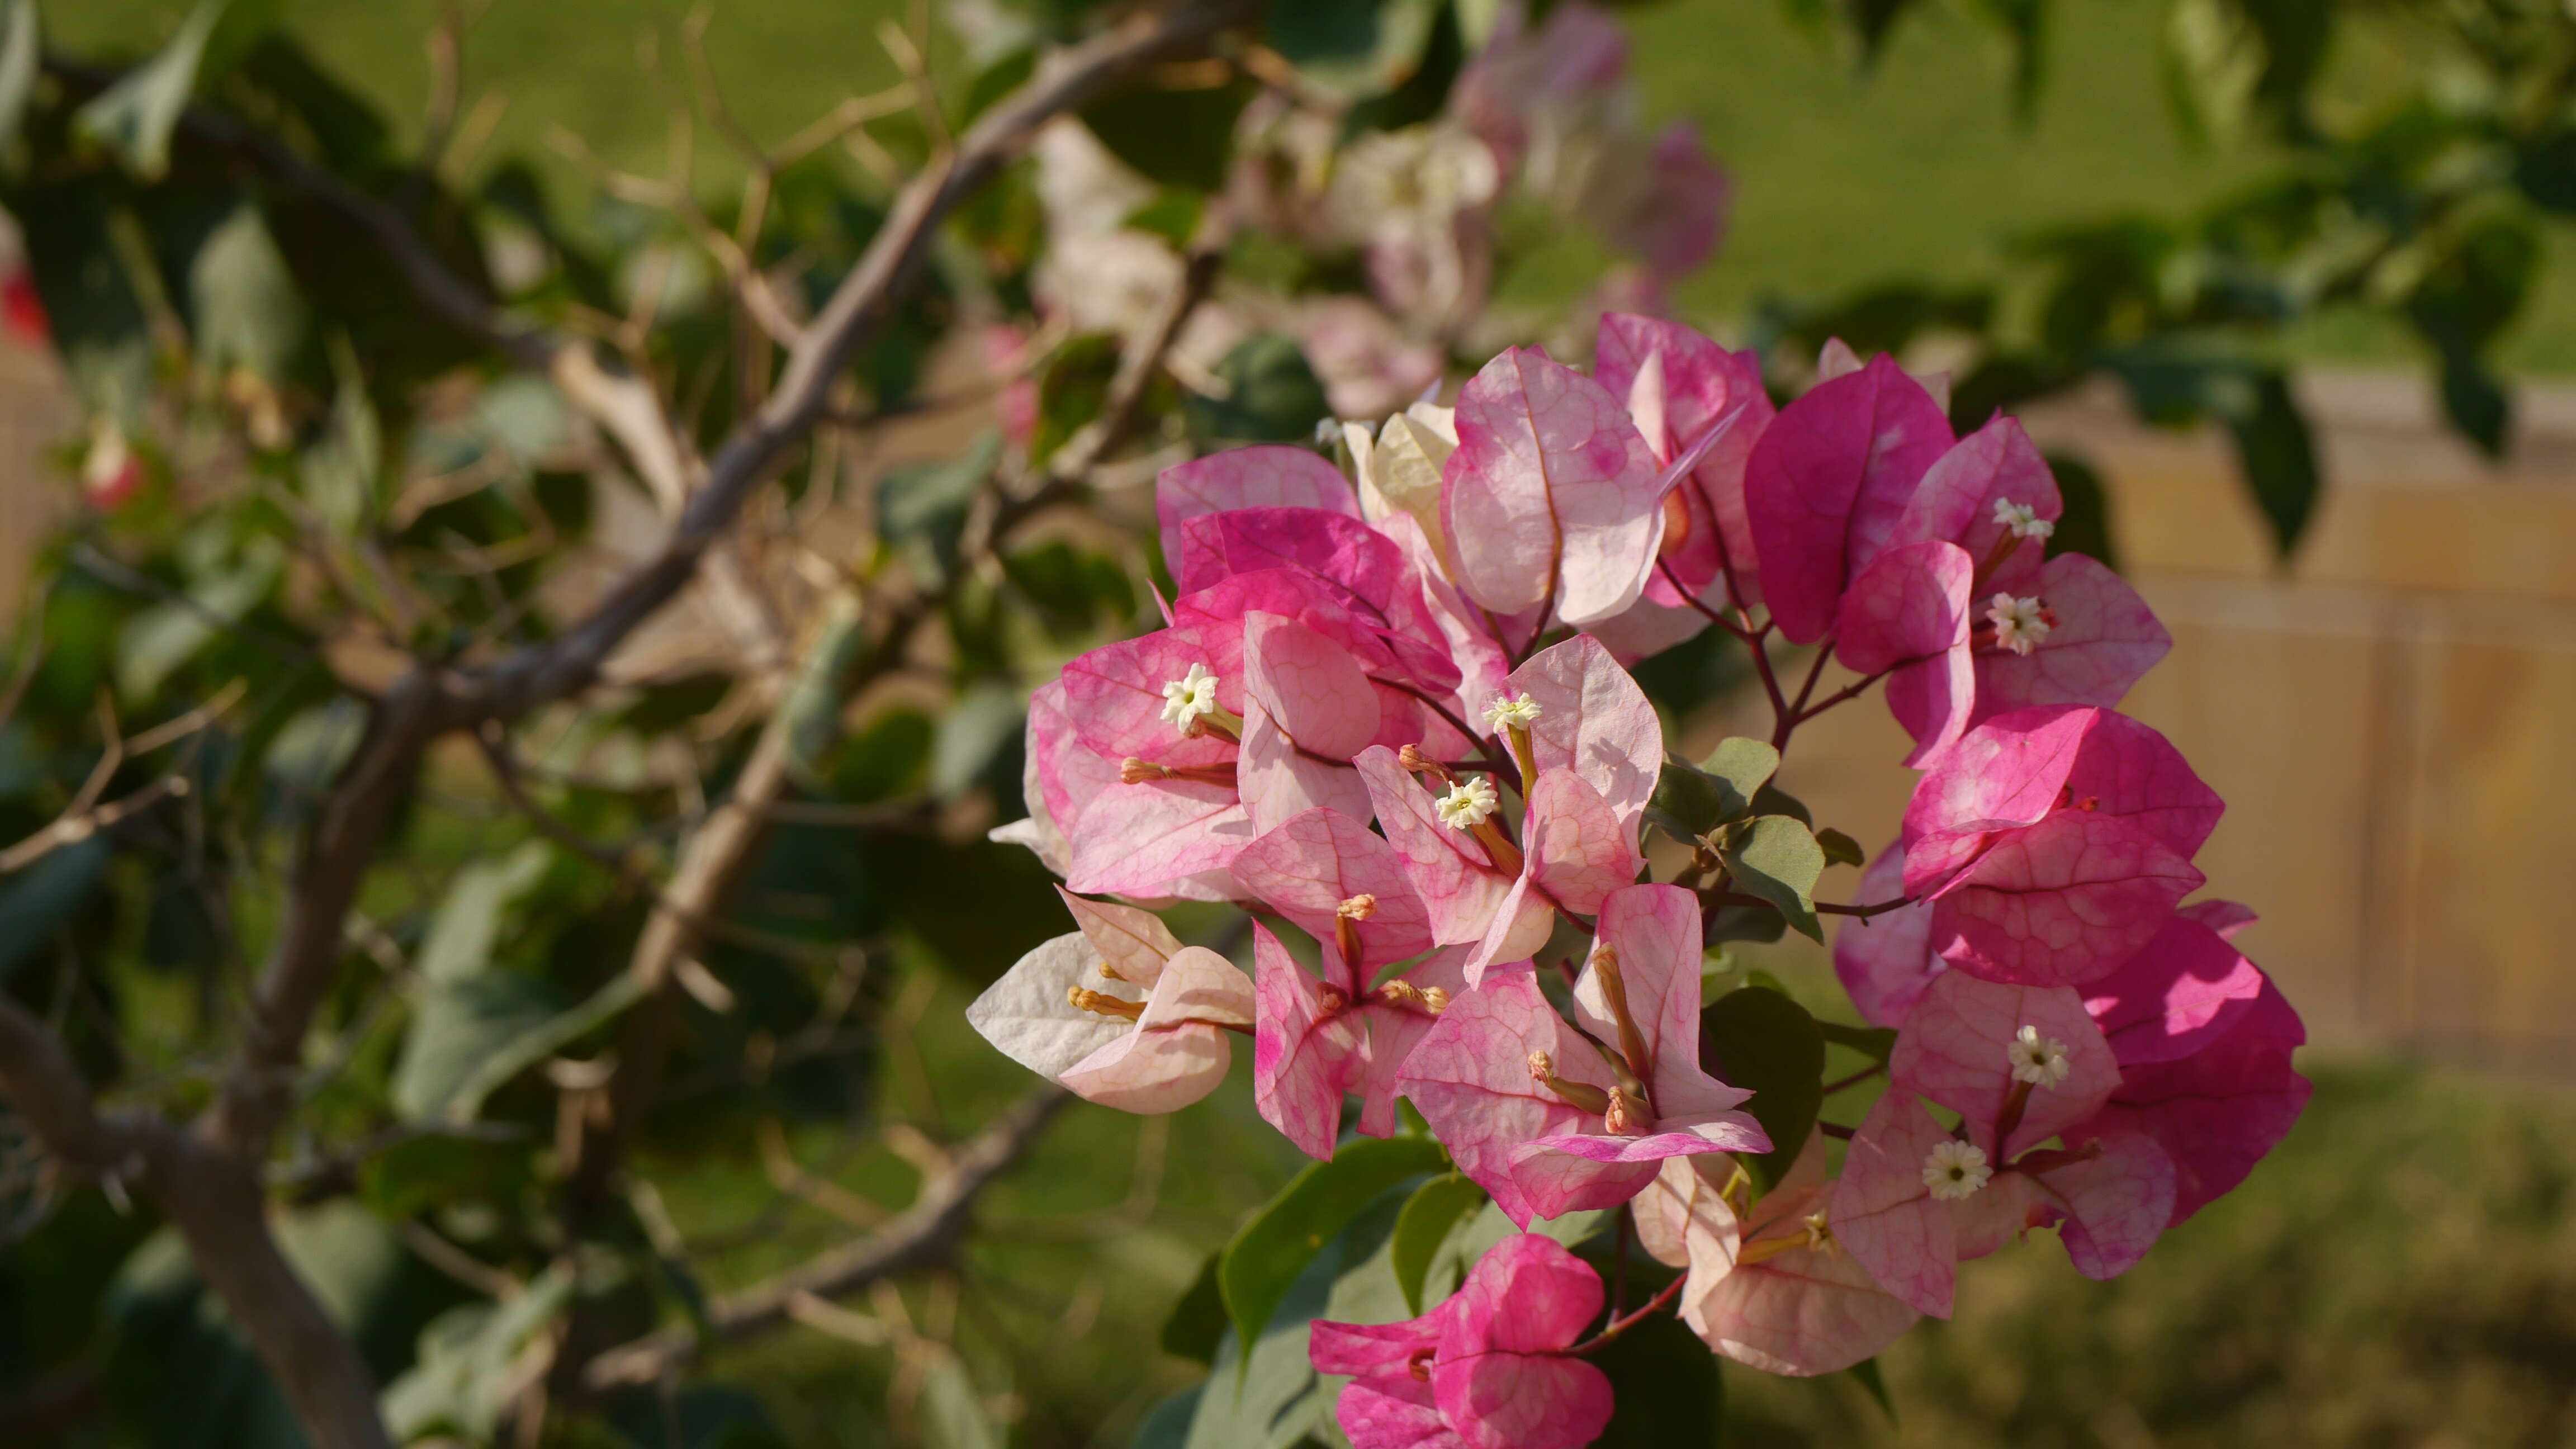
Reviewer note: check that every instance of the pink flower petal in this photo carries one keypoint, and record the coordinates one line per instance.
(1826, 484)
(1701, 383)
(2115, 1204)
(1133, 944)
(2227, 918)
(1885, 961)
(1578, 849)
(2105, 640)
(1593, 720)
(1114, 694)
(2217, 1112)
(1798, 1310)
(1459, 887)
(1911, 602)
(1551, 496)
(2185, 990)
(1956, 502)
(1885, 1217)
(1269, 476)
(2062, 902)
(1305, 1052)
(1307, 866)
(1957, 1049)
(1153, 1071)
(1308, 710)
(1137, 840)
(1470, 1079)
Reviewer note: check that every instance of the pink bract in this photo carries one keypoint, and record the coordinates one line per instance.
(1551, 498)
(1258, 477)
(1307, 867)
(1884, 1215)
(1956, 500)
(1487, 1369)
(1594, 721)
(1470, 1079)
(1316, 1040)
(2218, 1111)
(2184, 991)
(1691, 385)
(1907, 616)
(2105, 639)
(1956, 1048)
(1824, 488)
(1308, 709)
(1885, 961)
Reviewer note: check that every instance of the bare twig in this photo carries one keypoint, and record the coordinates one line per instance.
(919, 1236)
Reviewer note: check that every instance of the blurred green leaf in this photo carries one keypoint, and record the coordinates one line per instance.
(2085, 526)
(1435, 1209)
(134, 117)
(462, 1381)
(1269, 1252)
(1871, 1379)
(1777, 858)
(1271, 395)
(1168, 1426)
(1072, 389)
(1072, 591)
(1351, 49)
(1876, 1041)
(21, 55)
(2279, 456)
(1005, 74)
(247, 313)
(1760, 1039)
(1196, 1327)
(1172, 215)
(922, 509)
(36, 901)
(1173, 137)
(817, 694)
(1665, 1386)
(979, 721)
(951, 1416)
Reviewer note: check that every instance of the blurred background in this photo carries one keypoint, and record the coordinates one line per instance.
(2288, 288)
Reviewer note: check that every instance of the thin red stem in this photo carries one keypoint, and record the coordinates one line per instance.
(1856, 1078)
(1618, 1326)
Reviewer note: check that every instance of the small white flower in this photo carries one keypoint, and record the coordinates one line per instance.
(1469, 803)
(1955, 1170)
(1505, 711)
(2022, 519)
(2040, 1062)
(2021, 625)
(1187, 698)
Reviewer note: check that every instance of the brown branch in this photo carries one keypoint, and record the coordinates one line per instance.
(215, 1200)
(921, 1235)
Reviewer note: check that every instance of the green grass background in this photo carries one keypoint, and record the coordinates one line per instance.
(2402, 1272)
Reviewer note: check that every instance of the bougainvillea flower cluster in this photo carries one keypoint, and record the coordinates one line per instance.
(1390, 716)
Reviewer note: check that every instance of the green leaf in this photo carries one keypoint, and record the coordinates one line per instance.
(976, 725)
(1666, 1388)
(1772, 800)
(1745, 766)
(468, 922)
(1168, 1426)
(1269, 1252)
(1071, 591)
(134, 117)
(1072, 390)
(1435, 1208)
(1867, 1372)
(1006, 74)
(21, 50)
(157, 642)
(1172, 215)
(1172, 137)
(1875, 1041)
(1762, 1040)
(2279, 457)
(461, 1381)
(2085, 526)
(1271, 395)
(246, 311)
(815, 696)
(1839, 849)
(35, 902)
(1196, 1327)
(1742, 923)
(922, 509)
(1352, 49)
(1777, 858)
(951, 1416)
(1688, 802)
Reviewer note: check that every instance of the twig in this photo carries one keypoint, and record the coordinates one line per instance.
(920, 1235)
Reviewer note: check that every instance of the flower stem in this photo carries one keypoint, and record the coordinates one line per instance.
(1618, 1326)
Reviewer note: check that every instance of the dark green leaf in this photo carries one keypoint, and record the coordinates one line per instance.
(1284, 1236)
(1742, 923)
(247, 313)
(1196, 1327)
(1168, 1426)
(1876, 1041)
(1666, 1388)
(923, 509)
(1072, 390)
(1746, 765)
(1688, 802)
(1772, 800)
(462, 1381)
(2279, 457)
(1172, 215)
(1072, 592)
(1178, 137)
(1434, 1209)
(21, 48)
(1271, 396)
(1005, 75)
(980, 720)
(2085, 526)
(35, 902)
(1762, 1040)
(1354, 48)
(1777, 858)
(815, 697)
(1840, 849)
(1871, 1379)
